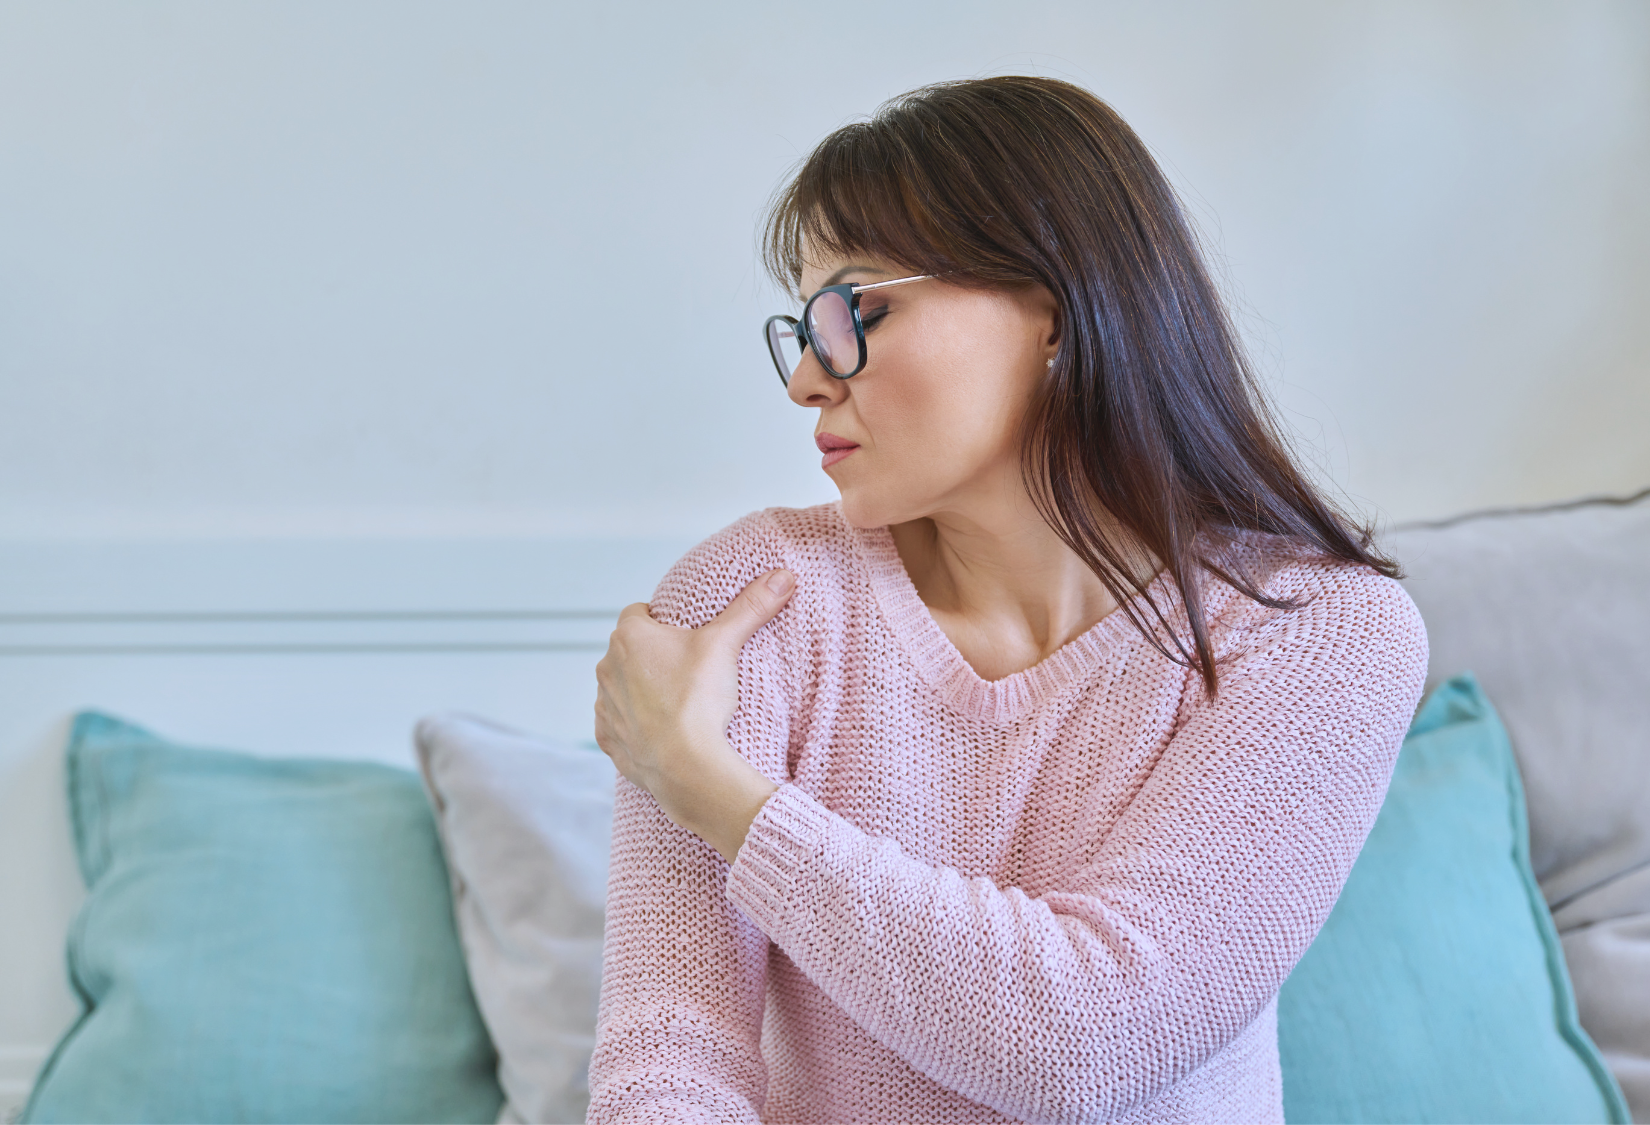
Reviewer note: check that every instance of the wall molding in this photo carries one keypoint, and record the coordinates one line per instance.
(273, 633)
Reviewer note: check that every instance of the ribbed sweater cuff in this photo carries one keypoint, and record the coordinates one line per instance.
(787, 835)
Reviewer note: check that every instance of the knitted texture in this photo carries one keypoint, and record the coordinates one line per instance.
(1067, 895)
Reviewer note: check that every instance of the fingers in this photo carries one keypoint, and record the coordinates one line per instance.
(754, 607)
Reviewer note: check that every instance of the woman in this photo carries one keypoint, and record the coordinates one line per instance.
(1012, 786)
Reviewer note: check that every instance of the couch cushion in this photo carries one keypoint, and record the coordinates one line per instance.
(526, 822)
(1550, 608)
(1436, 991)
(262, 940)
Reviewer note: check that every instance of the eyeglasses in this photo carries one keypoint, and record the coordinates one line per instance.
(830, 325)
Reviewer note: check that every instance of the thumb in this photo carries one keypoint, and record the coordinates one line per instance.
(754, 607)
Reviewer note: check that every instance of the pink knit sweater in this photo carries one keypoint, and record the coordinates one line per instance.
(1067, 895)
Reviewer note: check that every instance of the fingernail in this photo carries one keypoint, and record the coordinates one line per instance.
(779, 581)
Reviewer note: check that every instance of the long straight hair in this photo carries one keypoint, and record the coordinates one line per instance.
(1151, 414)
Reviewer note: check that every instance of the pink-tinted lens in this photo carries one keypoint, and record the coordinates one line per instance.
(785, 347)
(831, 331)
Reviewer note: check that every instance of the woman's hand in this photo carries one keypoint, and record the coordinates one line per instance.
(664, 697)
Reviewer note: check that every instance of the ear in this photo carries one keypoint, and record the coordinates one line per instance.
(1045, 308)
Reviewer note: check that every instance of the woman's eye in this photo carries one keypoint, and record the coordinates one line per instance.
(871, 317)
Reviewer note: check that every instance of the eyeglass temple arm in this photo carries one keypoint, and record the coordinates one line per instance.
(858, 289)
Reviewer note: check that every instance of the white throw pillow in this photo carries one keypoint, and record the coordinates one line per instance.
(525, 824)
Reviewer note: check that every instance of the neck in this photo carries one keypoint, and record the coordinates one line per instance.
(1001, 584)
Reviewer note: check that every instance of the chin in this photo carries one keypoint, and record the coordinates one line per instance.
(863, 509)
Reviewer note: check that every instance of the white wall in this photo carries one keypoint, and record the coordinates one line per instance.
(471, 272)
(488, 268)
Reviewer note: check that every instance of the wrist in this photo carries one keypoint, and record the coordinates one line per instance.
(719, 796)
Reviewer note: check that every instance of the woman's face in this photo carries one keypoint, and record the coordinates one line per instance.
(933, 420)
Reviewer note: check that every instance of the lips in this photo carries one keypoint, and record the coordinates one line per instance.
(834, 448)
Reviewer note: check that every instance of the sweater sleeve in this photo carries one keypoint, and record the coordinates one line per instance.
(1171, 937)
(684, 972)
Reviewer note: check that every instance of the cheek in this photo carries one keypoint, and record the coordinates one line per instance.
(975, 380)
(948, 415)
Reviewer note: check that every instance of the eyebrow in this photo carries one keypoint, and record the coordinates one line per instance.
(844, 272)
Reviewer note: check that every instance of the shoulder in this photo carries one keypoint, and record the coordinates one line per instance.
(810, 542)
(1344, 615)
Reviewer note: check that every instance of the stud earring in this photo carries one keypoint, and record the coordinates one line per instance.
(1051, 365)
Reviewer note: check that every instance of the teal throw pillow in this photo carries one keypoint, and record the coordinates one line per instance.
(1437, 990)
(263, 940)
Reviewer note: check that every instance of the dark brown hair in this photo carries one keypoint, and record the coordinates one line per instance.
(1151, 412)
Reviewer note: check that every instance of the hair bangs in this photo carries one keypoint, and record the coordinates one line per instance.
(858, 193)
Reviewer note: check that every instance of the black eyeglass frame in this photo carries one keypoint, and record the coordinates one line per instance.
(850, 294)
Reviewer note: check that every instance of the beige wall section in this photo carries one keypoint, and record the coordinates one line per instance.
(302, 268)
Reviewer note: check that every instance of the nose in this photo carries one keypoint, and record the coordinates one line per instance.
(811, 385)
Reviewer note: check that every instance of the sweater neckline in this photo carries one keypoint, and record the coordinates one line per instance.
(942, 667)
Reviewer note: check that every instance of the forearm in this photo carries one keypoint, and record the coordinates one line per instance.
(1041, 1015)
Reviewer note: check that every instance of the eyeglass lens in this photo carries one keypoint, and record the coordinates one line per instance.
(831, 330)
(785, 345)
